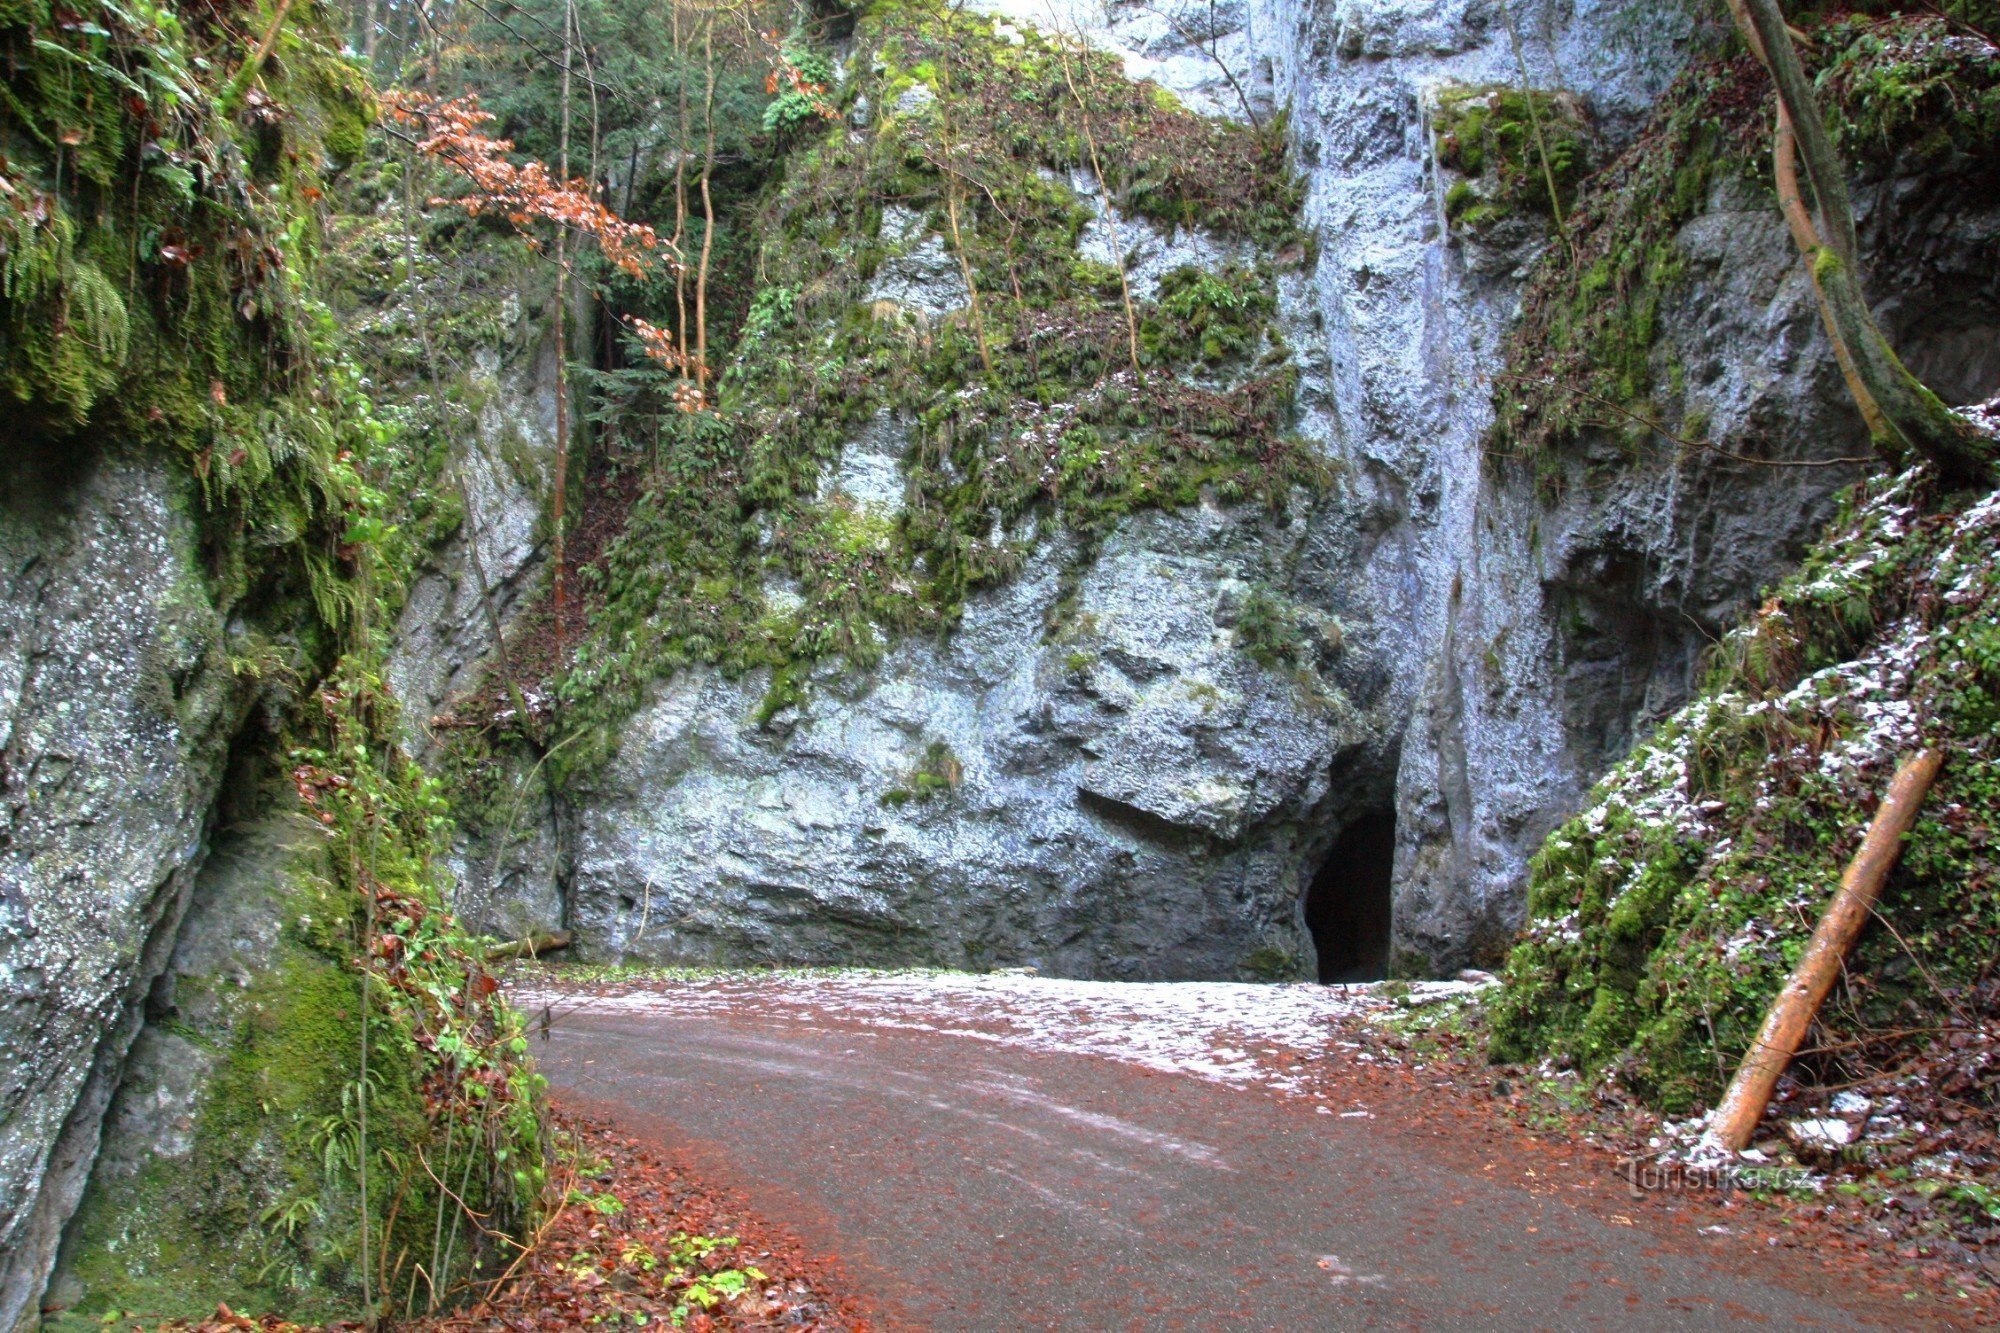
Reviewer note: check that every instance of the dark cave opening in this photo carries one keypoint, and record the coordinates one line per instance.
(1347, 907)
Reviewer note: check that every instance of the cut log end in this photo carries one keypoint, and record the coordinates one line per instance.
(530, 946)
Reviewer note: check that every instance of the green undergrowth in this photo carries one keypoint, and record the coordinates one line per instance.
(161, 200)
(154, 253)
(1017, 424)
(1906, 91)
(1664, 918)
(295, 1146)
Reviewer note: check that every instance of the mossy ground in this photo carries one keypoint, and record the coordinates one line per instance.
(1666, 917)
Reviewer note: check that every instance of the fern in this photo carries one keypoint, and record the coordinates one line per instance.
(95, 312)
(34, 258)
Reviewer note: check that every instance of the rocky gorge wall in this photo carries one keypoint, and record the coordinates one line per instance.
(116, 712)
(1089, 773)
(1098, 674)
(1534, 627)
(1508, 700)
(203, 815)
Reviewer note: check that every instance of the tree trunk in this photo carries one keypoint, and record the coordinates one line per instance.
(1811, 981)
(682, 147)
(707, 208)
(532, 945)
(1903, 416)
(558, 504)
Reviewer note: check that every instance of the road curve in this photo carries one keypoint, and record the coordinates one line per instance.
(967, 1184)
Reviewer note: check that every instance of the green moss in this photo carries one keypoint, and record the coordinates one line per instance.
(1582, 355)
(189, 1231)
(1270, 962)
(1510, 149)
(1912, 91)
(1058, 434)
(788, 690)
(155, 260)
(264, 1206)
(158, 296)
(1268, 629)
(937, 773)
(1214, 318)
(1664, 919)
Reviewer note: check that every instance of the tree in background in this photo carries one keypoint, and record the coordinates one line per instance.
(655, 105)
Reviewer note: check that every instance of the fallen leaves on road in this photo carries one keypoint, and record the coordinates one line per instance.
(1404, 1058)
(226, 1320)
(638, 1241)
(1865, 1215)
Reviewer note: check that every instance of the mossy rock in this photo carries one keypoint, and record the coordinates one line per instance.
(1665, 918)
(1517, 153)
(1020, 420)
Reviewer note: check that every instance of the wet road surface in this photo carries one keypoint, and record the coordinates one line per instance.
(969, 1185)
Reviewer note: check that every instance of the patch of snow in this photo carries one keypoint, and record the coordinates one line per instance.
(1819, 1136)
(1200, 1028)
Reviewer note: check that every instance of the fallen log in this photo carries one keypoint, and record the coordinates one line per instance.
(532, 946)
(1812, 980)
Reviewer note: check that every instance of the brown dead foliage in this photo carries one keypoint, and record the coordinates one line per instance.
(595, 1263)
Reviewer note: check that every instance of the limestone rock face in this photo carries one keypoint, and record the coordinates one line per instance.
(1526, 638)
(474, 586)
(920, 273)
(1146, 801)
(116, 708)
(483, 576)
(1124, 802)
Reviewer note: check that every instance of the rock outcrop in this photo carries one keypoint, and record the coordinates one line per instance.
(1139, 798)
(480, 579)
(1123, 802)
(1528, 640)
(117, 706)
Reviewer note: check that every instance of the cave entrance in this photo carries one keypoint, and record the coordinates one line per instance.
(1347, 907)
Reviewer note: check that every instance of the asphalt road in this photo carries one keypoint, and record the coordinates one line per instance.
(967, 1185)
